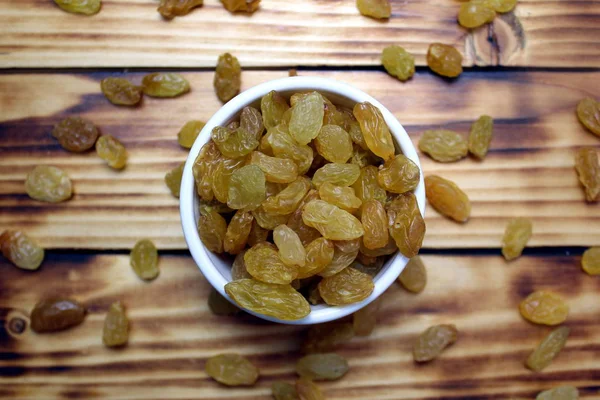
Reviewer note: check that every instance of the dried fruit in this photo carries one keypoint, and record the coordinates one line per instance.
(307, 118)
(444, 60)
(447, 198)
(398, 62)
(278, 170)
(414, 276)
(75, 134)
(164, 84)
(590, 261)
(379, 9)
(559, 393)
(347, 287)
(325, 337)
(237, 232)
(348, 246)
(87, 7)
(278, 301)
(291, 250)
(433, 341)
(247, 188)
(443, 145)
(283, 145)
(517, 234)
(173, 179)
(248, 6)
(264, 263)
(120, 91)
(189, 132)
(588, 170)
(49, 184)
(257, 233)
(342, 197)
(112, 151)
(374, 129)
(55, 314)
(588, 112)
(284, 391)
(544, 308)
(212, 229)
(288, 200)
(336, 174)
(21, 250)
(322, 367)
(144, 259)
(334, 144)
(480, 136)
(340, 261)
(233, 143)
(332, 222)
(116, 326)
(365, 319)
(231, 370)
(548, 349)
(251, 122)
(273, 106)
(176, 8)
(475, 13)
(407, 227)
(308, 390)
(390, 248)
(399, 175)
(219, 305)
(203, 169)
(319, 254)
(238, 268)
(367, 187)
(375, 223)
(228, 77)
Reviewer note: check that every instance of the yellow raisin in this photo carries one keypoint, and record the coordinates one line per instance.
(346, 287)
(398, 62)
(21, 250)
(189, 132)
(173, 179)
(444, 60)
(165, 84)
(175, 8)
(414, 276)
(433, 341)
(590, 261)
(374, 129)
(588, 112)
(447, 198)
(120, 91)
(116, 326)
(49, 184)
(559, 393)
(144, 259)
(248, 6)
(517, 234)
(548, 349)
(75, 134)
(228, 77)
(544, 308)
(231, 370)
(480, 136)
(588, 170)
(443, 145)
(86, 7)
(111, 150)
(379, 9)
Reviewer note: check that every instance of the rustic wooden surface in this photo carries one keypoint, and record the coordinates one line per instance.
(36, 33)
(529, 171)
(171, 338)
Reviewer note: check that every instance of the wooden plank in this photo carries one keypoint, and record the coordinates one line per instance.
(172, 337)
(35, 33)
(529, 170)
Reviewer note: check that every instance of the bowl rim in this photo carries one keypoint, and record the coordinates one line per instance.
(187, 191)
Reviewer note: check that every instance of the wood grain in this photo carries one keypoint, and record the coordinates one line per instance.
(529, 171)
(173, 333)
(130, 33)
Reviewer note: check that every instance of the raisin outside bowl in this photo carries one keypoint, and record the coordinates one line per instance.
(217, 268)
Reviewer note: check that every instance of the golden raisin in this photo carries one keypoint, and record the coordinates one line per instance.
(283, 391)
(588, 112)
(248, 6)
(319, 254)
(480, 136)
(120, 91)
(398, 62)
(75, 134)
(165, 84)
(175, 8)
(443, 145)
(517, 234)
(189, 132)
(444, 60)
(399, 175)
(559, 393)
(475, 13)
(374, 129)
(21, 250)
(433, 341)
(414, 276)
(116, 326)
(173, 179)
(112, 151)
(332, 222)
(379, 9)
(264, 263)
(144, 259)
(322, 367)
(447, 198)
(55, 314)
(548, 349)
(346, 287)
(375, 223)
(365, 319)
(49, 184)
(231, 370)
(544, 308)
(308, 390)
(86, 7)
(228, 77)
(238, 232)
(590, 261)
(588, 170)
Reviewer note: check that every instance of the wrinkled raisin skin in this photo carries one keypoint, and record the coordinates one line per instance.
(120, 91)
(444, 60)
(55, 314)
(588, 170)
(433, 341)
(544, 308)
(231, 370)
(21, 250)
(165, 84)
(75, 134)
(228, 77)
(116, 326)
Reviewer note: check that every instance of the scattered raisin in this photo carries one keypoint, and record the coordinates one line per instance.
(248, 6)
(544, 308)
(176, 8)
(433, 341)
(21, 250)
(548, 349)
(588, 170)
(590, 261)
(322, 367)
(588, 112)
(112, 151)
(480, 136)
(447, 198)
(398, 62)
(443, 145)
(231, 370)
(444, 60)
(165, 84)
(559, 393)
(116, 326)
(55, 314)
(173, 179)
(517, 234)
(414, 276)
(75, 134)
(120, 91)
(49, 184)
(144, 259)
(86, 7)
(379, 9)
(189, 132)
(228, 76)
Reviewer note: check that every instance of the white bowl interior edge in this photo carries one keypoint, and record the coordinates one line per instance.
(216, 268)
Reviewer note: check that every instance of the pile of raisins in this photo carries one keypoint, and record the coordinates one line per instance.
(311, 197)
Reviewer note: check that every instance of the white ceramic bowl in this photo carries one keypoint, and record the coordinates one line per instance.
(216, 268)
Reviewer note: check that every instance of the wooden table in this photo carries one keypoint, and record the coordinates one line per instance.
(528, 69)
